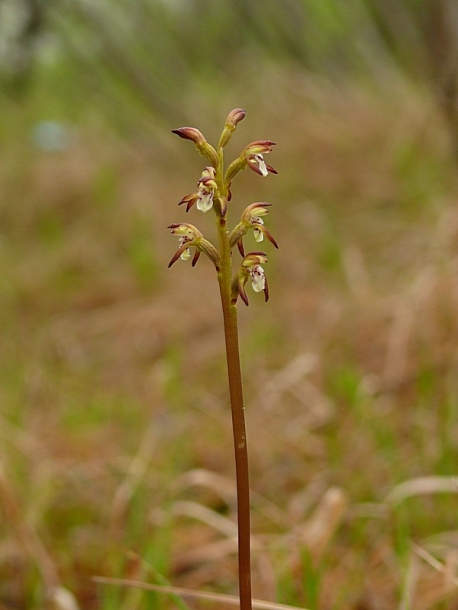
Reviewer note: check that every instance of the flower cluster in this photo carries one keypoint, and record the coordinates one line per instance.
(214, 192)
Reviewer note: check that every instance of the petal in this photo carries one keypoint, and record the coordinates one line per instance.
(195, 258)
(269, 236)
(242, 292)
(255, 210)
(266, 291)
(257, 163)
(176, 256)
(258, 234)
(262, 165)
(205, 201)
(258, 279)
(259, 146)
(189, 200)
(254, 258)
(185, 229)
(186, 254)
(271, 169)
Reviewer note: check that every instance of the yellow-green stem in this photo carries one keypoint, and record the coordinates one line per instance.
(238, 416)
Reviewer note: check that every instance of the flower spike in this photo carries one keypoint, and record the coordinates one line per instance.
(214, 190)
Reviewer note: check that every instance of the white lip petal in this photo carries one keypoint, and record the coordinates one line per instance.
(258, 235)
(186, 255)
(205, 202)
(261, 164)
(258, 280)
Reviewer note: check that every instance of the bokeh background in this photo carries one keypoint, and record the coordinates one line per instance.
(116, 456)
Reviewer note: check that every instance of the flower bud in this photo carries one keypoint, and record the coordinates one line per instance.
(193, 134)
(234, 117)
(190, 133)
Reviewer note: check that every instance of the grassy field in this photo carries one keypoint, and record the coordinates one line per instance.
(116, 456)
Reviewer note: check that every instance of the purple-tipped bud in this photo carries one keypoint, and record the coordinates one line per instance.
(234, 117)
(193, 134)
(190, 133)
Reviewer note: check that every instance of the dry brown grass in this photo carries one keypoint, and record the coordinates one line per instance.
(115, 429)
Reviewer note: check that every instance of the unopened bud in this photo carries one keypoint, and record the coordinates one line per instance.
(191, 133)
(233, 118)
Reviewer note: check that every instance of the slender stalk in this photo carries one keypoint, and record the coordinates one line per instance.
(238, 416)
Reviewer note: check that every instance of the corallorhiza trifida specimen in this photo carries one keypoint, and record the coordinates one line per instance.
(214, 193)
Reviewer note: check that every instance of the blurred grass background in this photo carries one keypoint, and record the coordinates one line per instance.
(116, 454)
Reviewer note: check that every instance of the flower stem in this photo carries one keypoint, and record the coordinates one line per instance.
(238, 416)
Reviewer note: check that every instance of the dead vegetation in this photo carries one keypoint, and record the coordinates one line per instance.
(116, 452)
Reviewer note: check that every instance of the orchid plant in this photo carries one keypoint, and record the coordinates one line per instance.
(214, 193)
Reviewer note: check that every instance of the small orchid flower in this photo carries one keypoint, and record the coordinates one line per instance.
(189, 237)
(250, 269)
(254, 157)
(251, 219)
(206, 189)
